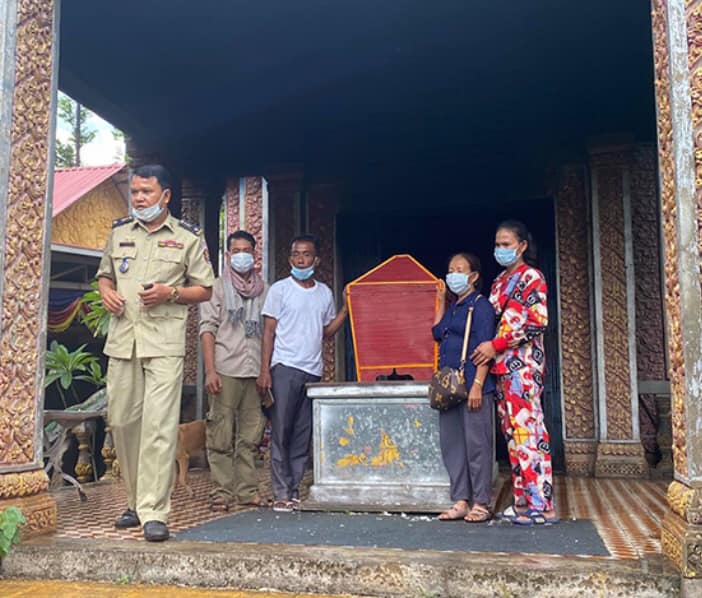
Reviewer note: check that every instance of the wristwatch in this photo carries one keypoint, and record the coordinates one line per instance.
(175, 295)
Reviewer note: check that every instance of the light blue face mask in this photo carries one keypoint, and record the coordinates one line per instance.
(242, 262)
(506, 256)
(457, 282)
(302, 273)
(151, 213)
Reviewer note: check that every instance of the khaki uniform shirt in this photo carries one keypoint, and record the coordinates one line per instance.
(175, 254)
(235, 355)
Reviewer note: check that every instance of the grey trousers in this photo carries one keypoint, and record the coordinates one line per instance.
(291, 429)
(467, 440)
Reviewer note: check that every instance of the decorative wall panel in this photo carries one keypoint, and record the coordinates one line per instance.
(614, 297)
(670, 237)
(88, 222)
(575, 287)
(24, 288)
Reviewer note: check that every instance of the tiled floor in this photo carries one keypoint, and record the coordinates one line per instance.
(626, 513)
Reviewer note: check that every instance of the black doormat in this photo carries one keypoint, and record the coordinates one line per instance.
(418, 532)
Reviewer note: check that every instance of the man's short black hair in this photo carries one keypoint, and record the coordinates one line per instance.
(306, 238)
(154, 170)
(241, 234)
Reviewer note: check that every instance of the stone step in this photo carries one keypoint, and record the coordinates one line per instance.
(338, 570)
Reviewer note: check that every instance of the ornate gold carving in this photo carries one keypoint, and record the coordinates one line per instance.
(672, 534)
(254, 213)
(573, 250)
(38, 510)
(685, 502)
(667, 191)
(580, 457)
(22, 302)
(25, 483)
(620, 460)
(682, 544)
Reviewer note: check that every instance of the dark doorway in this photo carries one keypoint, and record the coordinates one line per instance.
(432, 236)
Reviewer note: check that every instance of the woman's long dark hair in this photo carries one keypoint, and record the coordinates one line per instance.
(522, 233)
(474, 263)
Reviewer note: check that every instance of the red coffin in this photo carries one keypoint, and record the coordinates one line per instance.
(392, 310)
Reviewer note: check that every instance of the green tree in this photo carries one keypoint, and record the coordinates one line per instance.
(76, 117)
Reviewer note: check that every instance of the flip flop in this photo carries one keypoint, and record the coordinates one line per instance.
(532, 517)
(457, 514)
(509, 514)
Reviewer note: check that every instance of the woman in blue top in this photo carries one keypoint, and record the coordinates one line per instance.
(466, 431)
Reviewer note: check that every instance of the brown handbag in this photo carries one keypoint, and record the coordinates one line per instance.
(448, 385)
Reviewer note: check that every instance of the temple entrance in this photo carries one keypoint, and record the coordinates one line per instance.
(366, 238)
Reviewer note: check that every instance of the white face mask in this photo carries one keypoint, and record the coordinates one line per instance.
(242, 262)
(151, 213)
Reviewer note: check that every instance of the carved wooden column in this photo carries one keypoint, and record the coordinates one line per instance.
(192, 210)
(322, 205)
(28, 64)
(569, 189)
(286, 220)
(619, 452)
(654, 388)
(677, 32)
(246, 209)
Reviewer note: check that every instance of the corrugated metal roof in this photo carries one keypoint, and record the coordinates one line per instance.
(70, 184)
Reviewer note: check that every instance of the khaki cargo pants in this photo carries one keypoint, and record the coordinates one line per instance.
(232, 459)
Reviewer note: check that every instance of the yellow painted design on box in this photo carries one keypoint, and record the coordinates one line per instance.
(388, 454)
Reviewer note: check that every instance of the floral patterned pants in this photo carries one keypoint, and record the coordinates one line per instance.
(522, 423)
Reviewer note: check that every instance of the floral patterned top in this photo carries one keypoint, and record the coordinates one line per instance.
(519, 299)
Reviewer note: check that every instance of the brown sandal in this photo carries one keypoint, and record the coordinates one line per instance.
(255, 501)
(478, 514)
(219, 503)
(454, 513)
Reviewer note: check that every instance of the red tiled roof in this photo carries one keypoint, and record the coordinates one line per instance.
(70, 184)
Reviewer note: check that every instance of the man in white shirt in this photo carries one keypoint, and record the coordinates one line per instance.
(298, 314)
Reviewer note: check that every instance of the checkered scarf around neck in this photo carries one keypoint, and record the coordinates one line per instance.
(242, 299)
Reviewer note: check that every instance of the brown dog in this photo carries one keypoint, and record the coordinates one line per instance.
(191, 441)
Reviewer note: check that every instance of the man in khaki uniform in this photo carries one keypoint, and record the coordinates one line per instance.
(230, 330)
(149, 259)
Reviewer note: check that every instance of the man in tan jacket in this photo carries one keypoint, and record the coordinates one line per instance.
(142, 282)
(230, 330)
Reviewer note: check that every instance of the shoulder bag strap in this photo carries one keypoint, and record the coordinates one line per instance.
(466, 334)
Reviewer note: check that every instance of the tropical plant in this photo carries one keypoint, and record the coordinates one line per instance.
(65, 367)
(10, 520)
(97, 318)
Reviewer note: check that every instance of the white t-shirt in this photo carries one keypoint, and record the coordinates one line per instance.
(301, 316)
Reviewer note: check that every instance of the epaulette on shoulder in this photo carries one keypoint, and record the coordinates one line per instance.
(121, 221)
(193, 228)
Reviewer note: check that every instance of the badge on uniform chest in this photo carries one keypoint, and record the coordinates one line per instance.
(124, 266)
(171, 243)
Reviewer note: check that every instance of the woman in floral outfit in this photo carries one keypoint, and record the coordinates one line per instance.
(518, 296)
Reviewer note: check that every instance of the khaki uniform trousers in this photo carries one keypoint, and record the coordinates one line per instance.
(233, 460)
(143, 412)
